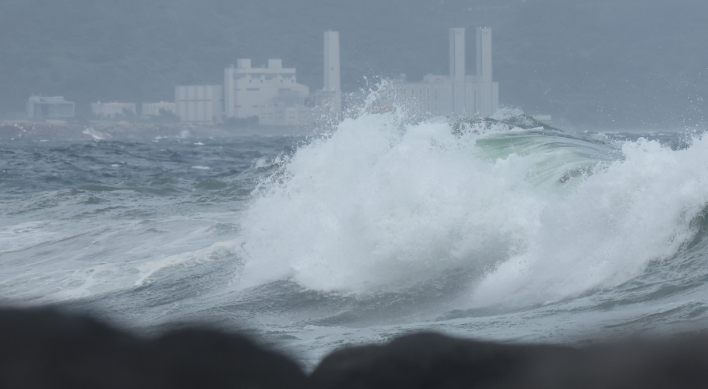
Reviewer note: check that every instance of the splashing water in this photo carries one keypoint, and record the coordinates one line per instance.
(500, 228)
(528, 215)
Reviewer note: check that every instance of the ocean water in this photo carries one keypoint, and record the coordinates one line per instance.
(501, 229)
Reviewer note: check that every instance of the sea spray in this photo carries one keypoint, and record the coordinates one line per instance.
(380, 206)
(606, 231)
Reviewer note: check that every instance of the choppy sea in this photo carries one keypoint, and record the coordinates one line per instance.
(503, 230)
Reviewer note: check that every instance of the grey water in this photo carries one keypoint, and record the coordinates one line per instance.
(373, 230)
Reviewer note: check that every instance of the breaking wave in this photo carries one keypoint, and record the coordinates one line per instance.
(513, 211)
(528, 213)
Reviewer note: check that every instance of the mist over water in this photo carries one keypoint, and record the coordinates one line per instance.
(500, 229)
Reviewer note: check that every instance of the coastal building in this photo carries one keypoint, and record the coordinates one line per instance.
(156, 109)
(271, 93)
(201, 104)
(456, 94)
(329, 99)
(56, 107)
(113, 110)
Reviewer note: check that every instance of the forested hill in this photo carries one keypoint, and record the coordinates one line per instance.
(611, 63)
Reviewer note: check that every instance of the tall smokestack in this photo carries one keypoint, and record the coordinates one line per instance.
(484, 54)
(332, 82)
(457, 54)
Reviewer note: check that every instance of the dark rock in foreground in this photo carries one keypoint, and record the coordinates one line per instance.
(436, 361)
(45, 349)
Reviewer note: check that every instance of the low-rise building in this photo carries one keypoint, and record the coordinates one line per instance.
(56, 107)
(113, 110)
(156, 109)
(201, 104)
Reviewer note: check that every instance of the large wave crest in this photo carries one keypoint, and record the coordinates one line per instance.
(526, 213)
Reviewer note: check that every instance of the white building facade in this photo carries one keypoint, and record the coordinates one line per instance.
(457, 94)
(271, 93)
(199, 104)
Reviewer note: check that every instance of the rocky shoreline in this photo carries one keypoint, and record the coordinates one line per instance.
(47, 349)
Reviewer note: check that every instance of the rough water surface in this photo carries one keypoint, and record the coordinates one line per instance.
(500, 229)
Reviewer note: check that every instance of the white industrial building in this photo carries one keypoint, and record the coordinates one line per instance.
(271, 93)
(200, 103)
(155, 109)
(113, 110)
(457, 93)
(42, 107)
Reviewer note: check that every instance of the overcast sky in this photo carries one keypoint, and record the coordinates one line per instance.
(607, 63)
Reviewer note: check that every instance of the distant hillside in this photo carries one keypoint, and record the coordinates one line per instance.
(610, 63)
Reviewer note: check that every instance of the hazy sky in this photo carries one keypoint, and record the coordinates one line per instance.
(607, 63)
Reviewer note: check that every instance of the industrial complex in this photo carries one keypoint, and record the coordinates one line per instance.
(456, 94)
(270, 93)
(273, 96)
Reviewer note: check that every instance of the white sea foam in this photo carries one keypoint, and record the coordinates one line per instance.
(377, 206)
(610, 227)
(381, 206)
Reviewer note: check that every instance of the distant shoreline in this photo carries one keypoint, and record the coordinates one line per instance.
(105, 130)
